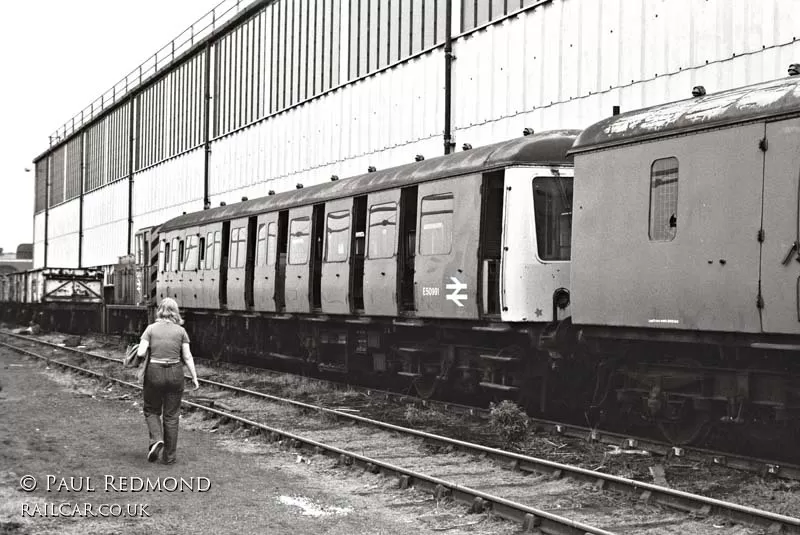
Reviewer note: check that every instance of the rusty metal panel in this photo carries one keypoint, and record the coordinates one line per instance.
(63, 227)
(380, 262)
(706, 277)
(337, 260)
(446, 261)
(780, 276)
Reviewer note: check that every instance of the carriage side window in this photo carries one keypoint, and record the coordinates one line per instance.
(337, 238)
(261, 245)
(201, 251)
(191, 254)
(210, 250)
(382, 230)
(299, 230)
(663, 199)
(272, 243)
(436, 224)
(552, 206)
(176, 254)
(238, 249)
(167, 250)
(217, 249)
(181, 254)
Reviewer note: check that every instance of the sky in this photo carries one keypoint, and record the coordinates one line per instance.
(57, 57)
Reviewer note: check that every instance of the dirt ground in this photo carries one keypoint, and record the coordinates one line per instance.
(56, 426)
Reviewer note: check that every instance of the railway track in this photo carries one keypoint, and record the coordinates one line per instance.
(527, 491)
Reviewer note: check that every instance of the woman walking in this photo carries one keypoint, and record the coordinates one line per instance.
(168, 344)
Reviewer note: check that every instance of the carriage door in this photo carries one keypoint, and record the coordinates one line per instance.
(237, 263)
(297, 284)
(335, 282)
(266, 258)
(446, 263)
(780, 256)
(380, 264)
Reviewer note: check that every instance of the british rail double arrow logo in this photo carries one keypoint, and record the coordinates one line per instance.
(456, 297)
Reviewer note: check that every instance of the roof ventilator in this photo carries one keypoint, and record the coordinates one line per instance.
(334, 178)
(698, 91)
(528, 131)
(794, 69)
(371, 169)
(271, 192)
(419, 158)
(244, 199)
(299, 186)
(466, 146)
(223, 203)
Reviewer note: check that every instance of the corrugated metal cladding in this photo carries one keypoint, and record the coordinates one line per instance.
(567, 63)
(478, 12)
(105, 224)
(167, 190)
(291, 51)
(170, 114)
(40, 180)
(353, 166)
(38, 240)
(392, 109)
(107, 146)
(65, 171)
(62, 240)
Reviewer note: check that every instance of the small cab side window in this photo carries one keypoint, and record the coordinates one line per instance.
(201, 251)
(337, 238)
(167, 250)
(382, 230)
(299, 230)
(552, 207)
(663, 199)
(436, 224)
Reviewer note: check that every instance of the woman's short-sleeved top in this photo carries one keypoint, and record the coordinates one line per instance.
(165, 339)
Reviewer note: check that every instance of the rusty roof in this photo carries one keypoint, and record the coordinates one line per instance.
(751, 103)
(547, 148)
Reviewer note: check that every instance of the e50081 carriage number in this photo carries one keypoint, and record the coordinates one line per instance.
(428, 291)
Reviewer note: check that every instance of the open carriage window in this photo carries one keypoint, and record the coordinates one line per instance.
(436, 224)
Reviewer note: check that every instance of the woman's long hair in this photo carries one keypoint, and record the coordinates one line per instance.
(168, 310)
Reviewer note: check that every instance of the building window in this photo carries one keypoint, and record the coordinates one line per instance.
(436, 224)
(382, 230)
(337, 239)
(260, 245)
(663, 199)
(238, 250)
(552, 206)
(272, 243)
(298, 240)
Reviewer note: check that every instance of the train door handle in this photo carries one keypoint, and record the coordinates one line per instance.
(792, 250)
(383, 273)
(337, 274)
(299, 276)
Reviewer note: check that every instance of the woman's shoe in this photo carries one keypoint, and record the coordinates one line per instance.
(155, 450)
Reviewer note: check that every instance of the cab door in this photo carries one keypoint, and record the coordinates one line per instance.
(335, 284)
(446, 264)
(297, 286)
(264, 269)
(380, 262)
(237, 263)
(780, 270)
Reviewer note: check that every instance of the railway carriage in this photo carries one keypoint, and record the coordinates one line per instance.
(685, 249)
(444, 271)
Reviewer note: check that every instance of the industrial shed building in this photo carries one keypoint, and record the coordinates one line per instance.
(262, 95)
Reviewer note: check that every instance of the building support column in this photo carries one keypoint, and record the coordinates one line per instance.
(131, 117)
(207, 128)
(449, 144)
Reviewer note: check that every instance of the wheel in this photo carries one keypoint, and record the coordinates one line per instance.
(681, 424)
